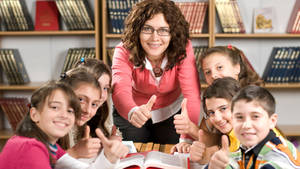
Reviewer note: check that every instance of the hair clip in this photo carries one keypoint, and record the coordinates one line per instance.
(29, 105)
(82, 60)
(229, 46)
(63, 75)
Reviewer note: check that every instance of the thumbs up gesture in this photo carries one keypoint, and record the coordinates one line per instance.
(114, 135)
(113, 149)
(198, 148)
(183, 124)
(86, 147)
(139, 117)
(221, 158)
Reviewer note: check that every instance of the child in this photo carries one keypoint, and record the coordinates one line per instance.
(218, 62)
(78, 143)
(254, 118)
(52, 114)
(102, 72)
(228, 61)
(216, 104)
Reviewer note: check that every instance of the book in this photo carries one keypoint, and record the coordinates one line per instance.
(46, 15)
(153, 159)
(294, 20)
(229, 16)
(14, 109)
(74, 55)
(13, 66)
(264, 20)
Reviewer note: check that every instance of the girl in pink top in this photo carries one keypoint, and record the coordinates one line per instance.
(51, 116)
(153, 70)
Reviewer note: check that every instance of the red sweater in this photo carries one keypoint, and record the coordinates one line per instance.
(133, 87)
(26, 153)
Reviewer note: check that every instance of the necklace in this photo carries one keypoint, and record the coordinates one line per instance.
(157, 71)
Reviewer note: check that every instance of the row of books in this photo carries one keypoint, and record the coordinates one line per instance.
(194, 13)
(76, 14)
(13, 66)
(198, 51)
(229, 16)
(75, 54)
(294, 21)
(14, 109)
(283, 65)
(14, 16)
(117, 12)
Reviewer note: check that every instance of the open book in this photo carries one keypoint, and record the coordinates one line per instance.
(154, 159)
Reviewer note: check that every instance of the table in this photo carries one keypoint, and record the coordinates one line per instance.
(142, 147)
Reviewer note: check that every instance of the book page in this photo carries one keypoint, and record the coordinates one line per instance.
(137, 160)
(163, 160)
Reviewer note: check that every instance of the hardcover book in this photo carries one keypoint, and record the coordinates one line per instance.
(294, 21)
(153, 159)
(46, 16)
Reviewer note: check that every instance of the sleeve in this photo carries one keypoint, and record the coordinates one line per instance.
(68, 162)
(34, 156)
(190, 85)
(121, 81)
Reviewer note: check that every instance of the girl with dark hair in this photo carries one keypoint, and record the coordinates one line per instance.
(54, 108)
(102, 119)
(78, 142)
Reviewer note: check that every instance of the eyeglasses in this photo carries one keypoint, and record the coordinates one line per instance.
(159, 31)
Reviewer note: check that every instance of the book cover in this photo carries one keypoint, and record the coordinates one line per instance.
(294, 21)
(46, 16)
(153, 159)
(19, 64)
(25, 15)
(264, 20)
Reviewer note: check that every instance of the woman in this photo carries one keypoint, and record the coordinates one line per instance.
(153, 69)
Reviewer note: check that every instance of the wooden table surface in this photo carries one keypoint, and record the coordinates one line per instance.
(142, 147)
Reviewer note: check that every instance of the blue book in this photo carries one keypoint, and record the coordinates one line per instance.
(270, 66)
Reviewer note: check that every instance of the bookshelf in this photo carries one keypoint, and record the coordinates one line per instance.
(257, 48)
(43, 53)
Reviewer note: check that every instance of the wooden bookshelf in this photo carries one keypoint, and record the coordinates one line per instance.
(96, 34)
(290, 130)
(28, 87)
(46, 33)
(259, 35)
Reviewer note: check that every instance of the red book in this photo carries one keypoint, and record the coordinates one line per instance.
(46, 15)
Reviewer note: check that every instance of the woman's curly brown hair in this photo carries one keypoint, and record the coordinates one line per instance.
(246, 76)
(179, 30)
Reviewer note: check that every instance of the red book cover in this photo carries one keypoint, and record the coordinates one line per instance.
(46, 15)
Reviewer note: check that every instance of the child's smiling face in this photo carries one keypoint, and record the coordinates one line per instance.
(251, 123)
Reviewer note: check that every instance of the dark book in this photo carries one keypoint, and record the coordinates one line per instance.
(75, 54)
(46, 16)
(25, 15)
(270, 66)
(14, 109)
(14, 67)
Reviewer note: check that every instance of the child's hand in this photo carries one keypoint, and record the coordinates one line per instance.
(139, 117)
(221, 158)
(183, 124)
(182, 147)
(113, 149)
(87, 147)
(114, 135)
(198, 148)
